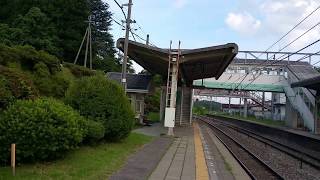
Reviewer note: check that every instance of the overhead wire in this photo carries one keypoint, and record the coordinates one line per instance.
(294, 27)
(276, 61)
(125, 17)
(300, 22)
(132, 33)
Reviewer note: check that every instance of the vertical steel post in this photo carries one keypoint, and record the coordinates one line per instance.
(126, 43)
(147, 41)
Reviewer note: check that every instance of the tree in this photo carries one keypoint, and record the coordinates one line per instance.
(102, 39)
(37, 31)
(66, 20)
(107, 64)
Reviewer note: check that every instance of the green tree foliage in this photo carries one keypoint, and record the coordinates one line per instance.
(43, 129)
(94, 131)
(63, 19)
(58, 28)
(27, 57)
(102, 39)
(107, 64)
(42, 69)
(103, 101)
(15, 85)
(10, 36)
(79, 71)
(153, 98)
(37, 31)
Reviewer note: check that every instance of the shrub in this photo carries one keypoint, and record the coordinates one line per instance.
(153, 101)
(52, 85)
(94, 131)
(102, 100)
(15, 85)
(79, 71)
(28, 57)
(43, 129)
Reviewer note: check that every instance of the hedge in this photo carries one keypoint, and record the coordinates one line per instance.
(43, 129)
(15, 85)
(104, 101)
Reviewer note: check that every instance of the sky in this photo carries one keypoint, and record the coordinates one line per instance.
(252, 24)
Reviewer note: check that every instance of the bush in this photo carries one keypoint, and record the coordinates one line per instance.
(43, 129)
(28, 57)
(51, 85)
(152, 101)
(104, 101)
(15, 85)
(79, 71)
(94, 131)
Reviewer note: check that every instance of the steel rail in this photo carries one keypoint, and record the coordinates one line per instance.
(254, 157)
(278, 145)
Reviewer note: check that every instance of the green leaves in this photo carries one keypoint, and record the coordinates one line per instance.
(43, 129)
(103, 101)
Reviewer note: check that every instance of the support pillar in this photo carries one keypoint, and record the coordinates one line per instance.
(229, 105)
(245, 106)
(171, 99)
(272, 107)
(263, 99)
(316, 117)
(162, 103)
(291, 115)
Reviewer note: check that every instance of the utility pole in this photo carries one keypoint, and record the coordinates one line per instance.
(87, 36)
(126, 42)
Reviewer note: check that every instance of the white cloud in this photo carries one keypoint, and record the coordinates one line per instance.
(179, 3)
(244, 23)
(280, 16)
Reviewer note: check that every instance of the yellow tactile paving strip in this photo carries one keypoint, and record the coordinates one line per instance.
(201, 166)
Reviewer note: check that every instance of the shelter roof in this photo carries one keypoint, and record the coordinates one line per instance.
(194, 63)
(311, 83)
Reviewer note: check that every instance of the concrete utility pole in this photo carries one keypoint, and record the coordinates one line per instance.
(87, 36)
(126, 42)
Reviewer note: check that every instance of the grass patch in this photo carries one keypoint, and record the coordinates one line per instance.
(153, 116)
(269, 122)
(88, 162)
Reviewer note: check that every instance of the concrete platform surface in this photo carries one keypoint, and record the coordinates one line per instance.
(193, 153)
(156, 129)
(179, 161)
(141, 164)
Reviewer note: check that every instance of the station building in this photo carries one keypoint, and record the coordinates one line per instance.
(138, 87)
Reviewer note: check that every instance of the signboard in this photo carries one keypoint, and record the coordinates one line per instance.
(169, 117)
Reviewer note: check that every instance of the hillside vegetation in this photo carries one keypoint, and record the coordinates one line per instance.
(42, 94)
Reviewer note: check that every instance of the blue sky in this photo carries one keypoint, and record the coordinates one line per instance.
(252, 24)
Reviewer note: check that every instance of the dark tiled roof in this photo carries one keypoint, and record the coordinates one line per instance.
(259, 61)
(134, 81)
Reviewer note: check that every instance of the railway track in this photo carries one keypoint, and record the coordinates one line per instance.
(277, 160)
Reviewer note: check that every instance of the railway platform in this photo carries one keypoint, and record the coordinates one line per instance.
(189, 155)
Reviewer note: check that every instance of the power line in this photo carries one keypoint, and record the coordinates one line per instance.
(284, 37)
(276, 61)
(124, 14)
(125, 17)
(291, 29)
(132, 33)
(117, 22)
(307, 56)
(298, 38)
